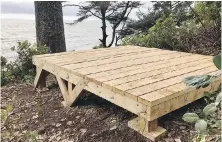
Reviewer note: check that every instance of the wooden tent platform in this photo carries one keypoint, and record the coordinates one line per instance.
(145, 81)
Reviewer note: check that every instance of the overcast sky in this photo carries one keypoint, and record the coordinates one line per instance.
(26, 7)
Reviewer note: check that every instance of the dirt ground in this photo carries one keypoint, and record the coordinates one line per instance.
(41, 116)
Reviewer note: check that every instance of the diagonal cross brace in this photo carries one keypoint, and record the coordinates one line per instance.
(69, 94)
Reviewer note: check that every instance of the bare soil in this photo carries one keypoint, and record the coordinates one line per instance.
(91, 119)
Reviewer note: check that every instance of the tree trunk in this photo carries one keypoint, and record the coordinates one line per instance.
(103, 28)
(49, 25)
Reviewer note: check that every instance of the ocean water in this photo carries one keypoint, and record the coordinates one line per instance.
(84, 35)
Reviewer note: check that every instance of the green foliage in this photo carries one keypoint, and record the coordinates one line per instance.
(179, 27)
(22, 68)
(164, 34)
(198, 81)
(217, 61)
(218, 98)
(5, 113)
(190, 117)
(208, 117)
(201, 125)
(209, 12)
(99, 46)
(31, 136)
(210, 110)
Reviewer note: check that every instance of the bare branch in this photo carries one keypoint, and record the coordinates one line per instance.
(84, 8)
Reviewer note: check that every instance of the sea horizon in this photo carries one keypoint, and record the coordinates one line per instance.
(20, 27)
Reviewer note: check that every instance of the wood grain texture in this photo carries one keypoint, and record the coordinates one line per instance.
(141, 80)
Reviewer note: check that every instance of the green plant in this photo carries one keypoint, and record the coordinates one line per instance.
(22, 68)
(5, 113)
(207, 119)
(164, 34)
(31, 136)
(201, 122)
(203, 80)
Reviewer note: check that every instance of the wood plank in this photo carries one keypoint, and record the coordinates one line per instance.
(133, 75)
(167, 82)
(92, 53)
(180, 101)
(118, 99)
(164, 94)
(84, 57)
(102, 68)
(115, 98)
(135, 93)
(40, 78)
(74, 94)
(141, 125)
(163, 76)
(99, 56)
(176, 60)
(63, 88)
(114, 59)
(82, 51)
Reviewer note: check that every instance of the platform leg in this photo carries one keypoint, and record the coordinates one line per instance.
(149, 129)
(69, 93)
(40, 78)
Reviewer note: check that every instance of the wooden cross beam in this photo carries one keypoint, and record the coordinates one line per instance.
(69, 93)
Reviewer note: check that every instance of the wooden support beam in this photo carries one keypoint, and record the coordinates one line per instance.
(69, 94)
(40, 78)
(149, 129)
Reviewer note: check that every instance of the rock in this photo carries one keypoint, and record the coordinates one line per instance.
(82, 120)
(182, 127)
(83, 131)
(77, 117)
(69, 123)
(62, 119)
(41, 130)
(35, 116)
(58, 124)
(68, 130)
(58, 138)
(177, 140)
(113, 121)
(169, 140)
(113, 128)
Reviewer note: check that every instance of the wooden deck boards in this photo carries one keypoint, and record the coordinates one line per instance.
(145, 81)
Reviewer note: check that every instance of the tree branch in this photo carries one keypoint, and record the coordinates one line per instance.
(117, 24)
(84, 8)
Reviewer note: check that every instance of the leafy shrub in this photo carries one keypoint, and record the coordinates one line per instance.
(22, 68)
(208, 117)
(208, 114)
(164, 34)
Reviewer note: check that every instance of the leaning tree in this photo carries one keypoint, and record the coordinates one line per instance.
(112, 11)
(49, 25)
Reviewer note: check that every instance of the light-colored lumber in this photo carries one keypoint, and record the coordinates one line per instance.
(167, 82)
(145, 81)
(149, 129)
(69, 94)
(161, 95)
(118, 99)
(102, 68)
(40, 79)
(185, 98)
(173, 61)
(114, 60)
(126, 77)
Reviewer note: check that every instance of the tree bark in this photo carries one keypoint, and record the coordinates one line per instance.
(103, 12)
(49, 25)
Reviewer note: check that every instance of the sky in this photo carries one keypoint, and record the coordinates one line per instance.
(17, 9)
